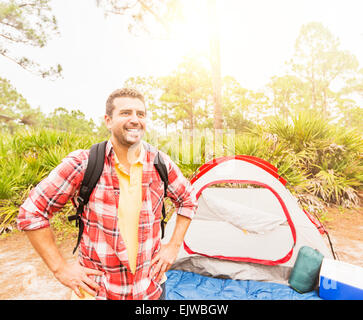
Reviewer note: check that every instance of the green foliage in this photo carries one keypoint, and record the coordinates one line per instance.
(298, 133)
(241, 107)
(15, 113)
(9, 97)
(264, 145)
(319, 61)
(186, 93)
(14, 109)
(352, 117)
(289, 94)
(185, 152)
(328, 156)
(30, 23)
(322, 163)
(147, 17)
(74, 121)
(27, 157)
(63, 228)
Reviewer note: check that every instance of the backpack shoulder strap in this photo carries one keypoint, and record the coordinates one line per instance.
(92, 174)
(163, 173)
(94, 170)
(162, 170)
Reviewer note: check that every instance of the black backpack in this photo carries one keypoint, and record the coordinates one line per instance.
(93, 172)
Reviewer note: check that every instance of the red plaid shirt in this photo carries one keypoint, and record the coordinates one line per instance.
(102, 247)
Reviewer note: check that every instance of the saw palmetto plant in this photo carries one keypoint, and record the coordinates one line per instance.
(322, 162)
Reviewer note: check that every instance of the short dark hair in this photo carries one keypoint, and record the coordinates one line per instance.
(124, 92)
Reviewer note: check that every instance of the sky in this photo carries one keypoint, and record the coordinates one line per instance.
(98, 54)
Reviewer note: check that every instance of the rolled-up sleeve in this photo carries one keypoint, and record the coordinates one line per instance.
(52, 193)
(180, 190)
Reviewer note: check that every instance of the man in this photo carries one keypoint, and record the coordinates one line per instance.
(120, 254)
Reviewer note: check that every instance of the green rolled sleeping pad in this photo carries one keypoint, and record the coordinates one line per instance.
(305, 273)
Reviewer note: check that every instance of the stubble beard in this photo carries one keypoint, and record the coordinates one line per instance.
(124, 140)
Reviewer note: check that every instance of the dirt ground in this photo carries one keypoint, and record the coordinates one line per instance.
(345, 229)
(24, 276)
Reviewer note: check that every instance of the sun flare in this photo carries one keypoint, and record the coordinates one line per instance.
(193, 29)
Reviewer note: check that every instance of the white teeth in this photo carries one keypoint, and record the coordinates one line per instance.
(133, 130)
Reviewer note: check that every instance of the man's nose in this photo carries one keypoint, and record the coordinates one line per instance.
(134, 117)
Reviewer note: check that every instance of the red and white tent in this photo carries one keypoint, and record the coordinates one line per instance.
(252, 232)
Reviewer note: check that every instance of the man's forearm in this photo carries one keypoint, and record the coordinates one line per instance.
(71, 275)
(168, 252)
(181, 226)
(43, 241)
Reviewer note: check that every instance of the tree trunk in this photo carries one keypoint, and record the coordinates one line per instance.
(191, 116)
(324, 106)
(166, 120)
(313, 85)
(215, 64)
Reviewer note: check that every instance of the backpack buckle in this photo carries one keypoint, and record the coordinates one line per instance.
(80, 201)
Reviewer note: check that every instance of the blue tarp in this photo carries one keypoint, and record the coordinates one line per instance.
(182, 285)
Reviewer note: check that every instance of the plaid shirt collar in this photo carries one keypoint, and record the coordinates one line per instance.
(140, 159)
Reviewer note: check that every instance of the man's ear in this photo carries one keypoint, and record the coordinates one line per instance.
(108, 121)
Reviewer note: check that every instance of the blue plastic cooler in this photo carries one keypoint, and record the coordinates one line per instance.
(340, 281)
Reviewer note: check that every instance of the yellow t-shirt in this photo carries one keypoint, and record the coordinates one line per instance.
(129, 206)
(130, 203)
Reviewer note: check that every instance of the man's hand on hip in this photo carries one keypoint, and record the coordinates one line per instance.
(169, 252)
(163, 260)
(74, 276)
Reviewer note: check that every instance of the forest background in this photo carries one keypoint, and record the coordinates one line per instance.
(308, 122)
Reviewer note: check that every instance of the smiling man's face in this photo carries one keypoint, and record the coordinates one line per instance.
(128, 121)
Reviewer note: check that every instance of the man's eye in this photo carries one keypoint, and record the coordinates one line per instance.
(141, 114)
